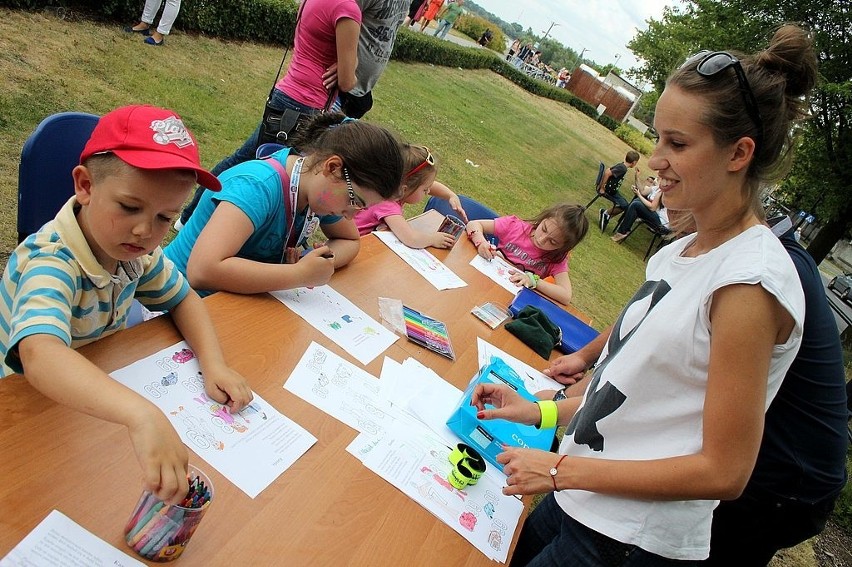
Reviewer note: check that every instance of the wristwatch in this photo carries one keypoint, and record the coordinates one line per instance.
(560, 395)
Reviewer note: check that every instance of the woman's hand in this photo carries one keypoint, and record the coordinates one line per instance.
(528, 470)
(507, 403)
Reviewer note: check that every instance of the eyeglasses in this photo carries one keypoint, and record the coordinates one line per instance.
(355, 200)
(430, 160)
(714, 62)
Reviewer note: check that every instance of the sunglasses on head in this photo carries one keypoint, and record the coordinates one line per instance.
(711, 63)
(355, 200)
(430, 160)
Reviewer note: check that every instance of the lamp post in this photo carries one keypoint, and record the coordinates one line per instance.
(617, 57)
(580, 58)
(547, 33)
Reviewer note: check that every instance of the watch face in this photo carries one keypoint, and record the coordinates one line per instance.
(560, 395)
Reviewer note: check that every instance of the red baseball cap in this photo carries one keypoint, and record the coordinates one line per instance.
(148, 137)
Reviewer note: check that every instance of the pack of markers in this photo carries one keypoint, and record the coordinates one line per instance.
(427, 332)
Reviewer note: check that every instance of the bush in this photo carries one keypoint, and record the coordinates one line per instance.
(474, 26)
(635, 139)
(608, 121)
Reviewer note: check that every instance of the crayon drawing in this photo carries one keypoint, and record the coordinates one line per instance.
(251, 447)
(339, 319)
(423, 262)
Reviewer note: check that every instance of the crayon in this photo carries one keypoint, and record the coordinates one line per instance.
(133, 535)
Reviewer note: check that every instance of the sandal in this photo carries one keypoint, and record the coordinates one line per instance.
(131, 29)
(151, 41)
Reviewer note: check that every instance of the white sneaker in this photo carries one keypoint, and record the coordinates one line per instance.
(178, 225)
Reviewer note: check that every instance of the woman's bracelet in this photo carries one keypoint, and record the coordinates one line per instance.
(549, 414)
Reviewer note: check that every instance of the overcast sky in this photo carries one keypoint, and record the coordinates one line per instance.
(602, 28)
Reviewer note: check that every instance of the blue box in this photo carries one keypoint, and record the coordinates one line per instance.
(575, 333)
(488, 436)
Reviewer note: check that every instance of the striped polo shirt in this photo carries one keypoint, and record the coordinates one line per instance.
(54, 285)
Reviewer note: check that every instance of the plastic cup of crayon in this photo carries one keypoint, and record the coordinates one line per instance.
(452, 226)
(158, 531)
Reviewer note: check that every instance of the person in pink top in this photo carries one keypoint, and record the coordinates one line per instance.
(326, 38)
(417, 182)
(539, 247)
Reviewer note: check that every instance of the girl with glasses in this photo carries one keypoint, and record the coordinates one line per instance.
(670, 420)
(418, 181)
(247, 237)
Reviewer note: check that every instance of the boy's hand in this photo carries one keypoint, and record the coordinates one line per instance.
(317, 266)
(161, 454)
(226, 386)
(442, 240)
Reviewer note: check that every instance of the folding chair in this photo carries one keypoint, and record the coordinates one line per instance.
(601, 169)
(658, 236)
(44, 175)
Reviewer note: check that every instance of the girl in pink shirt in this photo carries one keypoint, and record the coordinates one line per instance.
(418, 182)
(539, 247)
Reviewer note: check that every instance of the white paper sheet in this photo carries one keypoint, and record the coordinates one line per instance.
(417, 463)
(423, 262)
(534, 380)
(58, 541)
(498, 270)
(339, 319)
(251, 448)
(341, 389)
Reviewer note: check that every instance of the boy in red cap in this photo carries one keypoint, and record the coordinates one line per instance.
(74, 280)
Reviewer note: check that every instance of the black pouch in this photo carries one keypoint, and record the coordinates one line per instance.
(356, 106)
(278, 126)
(536, 330)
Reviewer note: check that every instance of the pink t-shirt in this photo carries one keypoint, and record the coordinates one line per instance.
(517, 246)
(371, 217)
(315, 50)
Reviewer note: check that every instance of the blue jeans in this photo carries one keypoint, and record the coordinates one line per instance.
(635, 209)
(550, 537)
(617, 200)
(443, 27)
(246, 152)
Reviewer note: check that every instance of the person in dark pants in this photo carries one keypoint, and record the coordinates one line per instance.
(801, 465)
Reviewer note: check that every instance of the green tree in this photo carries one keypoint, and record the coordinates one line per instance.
(816, 181)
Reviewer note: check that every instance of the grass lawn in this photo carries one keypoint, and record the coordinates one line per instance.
(530, 152)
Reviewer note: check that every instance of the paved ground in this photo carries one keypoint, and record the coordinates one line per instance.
(454, 36)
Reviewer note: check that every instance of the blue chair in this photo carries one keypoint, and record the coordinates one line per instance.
(47, 158)
(44, 175)
(601, 169)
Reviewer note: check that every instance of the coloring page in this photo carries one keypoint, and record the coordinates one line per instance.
(423, 262)
(498, 270)
(58, 541)
(417, 462)
(342, 390)
(251, 448)
(339, 319)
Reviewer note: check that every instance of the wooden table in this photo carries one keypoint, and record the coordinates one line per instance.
(327, 509)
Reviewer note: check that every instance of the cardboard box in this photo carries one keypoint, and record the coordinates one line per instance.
(489, 436)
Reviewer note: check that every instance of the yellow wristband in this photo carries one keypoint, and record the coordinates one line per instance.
(549, 413)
